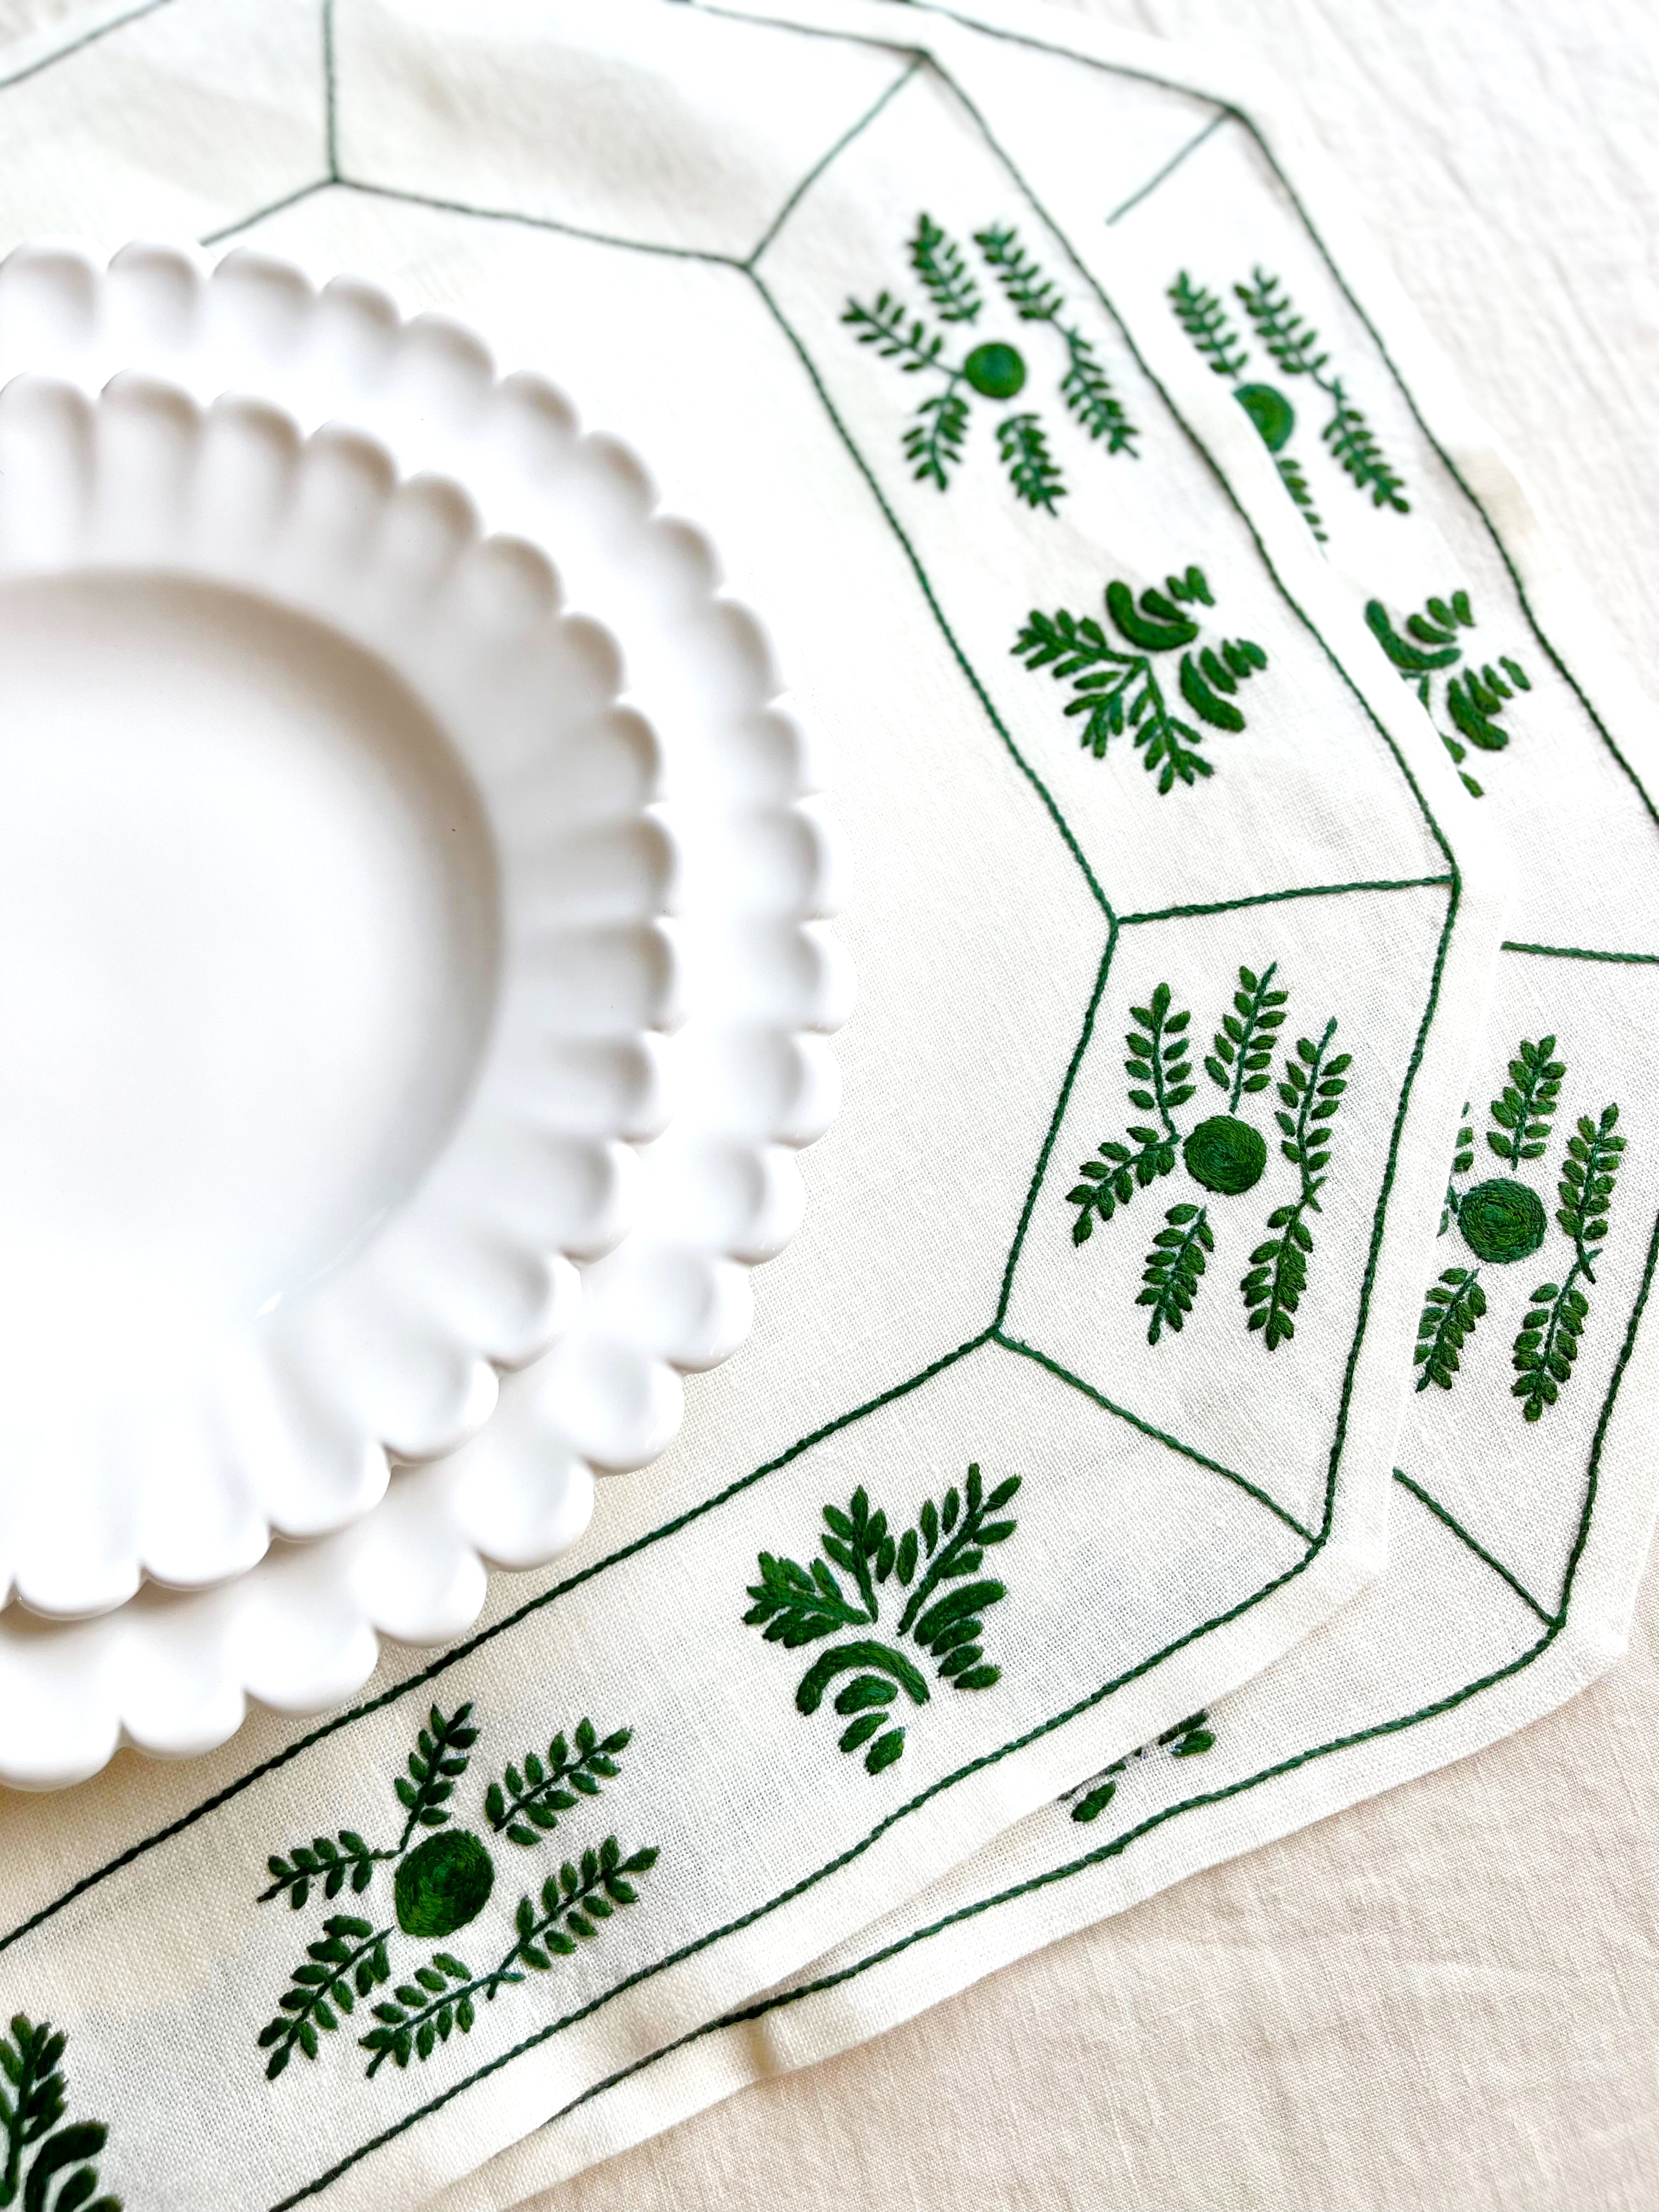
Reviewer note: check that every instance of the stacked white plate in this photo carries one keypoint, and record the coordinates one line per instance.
(413, 986)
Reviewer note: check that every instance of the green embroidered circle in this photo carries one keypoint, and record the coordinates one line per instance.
(443, 1883)
(995, 370)
(1502, 1221)
(1225, 1155)
(1270, 410)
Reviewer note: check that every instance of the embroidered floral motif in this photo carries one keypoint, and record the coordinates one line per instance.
(1503, 1220)
(1188, 1739)
(50, 2160)
(1116, 689)
(994, 370)
(942, 1615)
(1224, 1154)
(443, 1884)
(1472, 699)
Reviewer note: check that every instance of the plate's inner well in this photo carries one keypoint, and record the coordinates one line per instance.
(249, 937)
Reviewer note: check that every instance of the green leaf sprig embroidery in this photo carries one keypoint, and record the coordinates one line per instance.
(1310, 1093)
(935, 441)
(1225, 1154)
(573, 1906)
(1473, 698)
(41, 2155)
(436, 1764)
(1295, 349)
(525, 1804)
(1503, 1220)
(1188, 1739)
(1116, 686)
(935, 1563)
(442, 1884)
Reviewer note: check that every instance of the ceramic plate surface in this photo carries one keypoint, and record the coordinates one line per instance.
(329, 943)
(750, 1073)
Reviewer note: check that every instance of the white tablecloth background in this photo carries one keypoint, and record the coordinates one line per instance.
(1448, 1998)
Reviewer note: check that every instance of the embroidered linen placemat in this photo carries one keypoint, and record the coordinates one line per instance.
(1524, 1485)
(1073, 1406)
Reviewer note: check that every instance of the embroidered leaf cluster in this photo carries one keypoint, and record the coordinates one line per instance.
(1204, 317)
(1117, 687)
(525, 1804)
(1462, 1161)
(945, 277)
(1205, 320)
(1547, 1343)
(1174, 1266)
(1241, 1057)
(345, 1963)
(1310, 1093)
(1524, 1112)
(1450, 1310)
(1474, 697)
(441, 1998)
(1030, 466)
(935, 1563)
(1085, 388)
(1188, 1739)
(42, 2156)
(1293, 344)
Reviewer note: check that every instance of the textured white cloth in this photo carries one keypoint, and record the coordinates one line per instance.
(1128, 1545)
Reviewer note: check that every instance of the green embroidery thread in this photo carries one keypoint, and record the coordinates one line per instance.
(31, 2106)
(1310, 1094)
(436, 1764)
(1503, 1220)
(1188, 1739)
(1475, 698)
(1116, 689)
(442, 1885)
(795, 1605)
(1224, 1154)
(1204, 318)
(1295, 347)
(935, 441)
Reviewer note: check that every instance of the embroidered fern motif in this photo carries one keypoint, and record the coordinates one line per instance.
(1117, 687)
(1524, 1112)
(1462, 1161)
(1244, 1043)
(57, 2158)
(795, 1605)
(573, 1906)
(436, 1764)
(1311, 1092)
(1030, 466)
(1473, 698)
(1205, 320)
(1450, 1310)
(526, 1803)
(1547, 1343)
(1174, 1266)
(443, 1884)
(945, 277)
(1188, 1739)
(934, 442)
(1290, 342)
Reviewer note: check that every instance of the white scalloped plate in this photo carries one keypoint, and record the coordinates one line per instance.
(752, 1072)
(323, 983)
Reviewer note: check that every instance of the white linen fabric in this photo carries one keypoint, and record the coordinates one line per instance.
(689, 253)
(1420, 1671)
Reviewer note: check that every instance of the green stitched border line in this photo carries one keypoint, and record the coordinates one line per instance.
(92, 38)
(1120, 1844)
(1424, 1498)
(1579, 952)
(1147, 1429)
(1168, 170)
(1275, 898)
